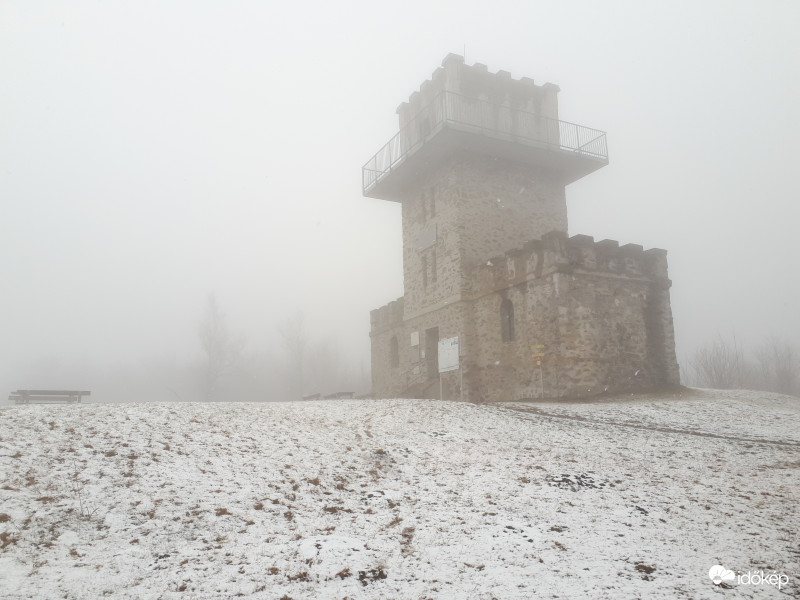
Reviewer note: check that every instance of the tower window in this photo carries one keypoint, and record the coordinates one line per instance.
(428, 266)
(507, 320)
(394, 352)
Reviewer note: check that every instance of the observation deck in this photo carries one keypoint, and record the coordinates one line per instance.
(453, 123)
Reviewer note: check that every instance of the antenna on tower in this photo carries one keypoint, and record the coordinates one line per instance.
(465, 54)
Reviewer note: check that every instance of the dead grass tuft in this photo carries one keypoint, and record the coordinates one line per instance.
(7, 538)
(366, 577)
(407, 534)
(394, 522)
(645, 570)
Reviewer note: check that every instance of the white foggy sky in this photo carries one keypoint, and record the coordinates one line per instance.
(154, 152)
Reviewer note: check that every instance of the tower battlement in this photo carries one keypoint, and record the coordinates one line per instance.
(387, 316)
(466, 109)
(579, 255)
(476, 83)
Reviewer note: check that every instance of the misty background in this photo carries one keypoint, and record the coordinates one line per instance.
(157, 155)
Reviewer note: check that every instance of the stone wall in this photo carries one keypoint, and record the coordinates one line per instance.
(471, 208)
(597, 313)
(386, 323)
(417, 338)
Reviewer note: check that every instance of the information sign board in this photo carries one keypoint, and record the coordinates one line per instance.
(448, 354)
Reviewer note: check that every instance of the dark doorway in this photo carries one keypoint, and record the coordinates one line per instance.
(432, 351)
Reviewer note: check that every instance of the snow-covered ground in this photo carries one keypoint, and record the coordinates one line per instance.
(406, 499)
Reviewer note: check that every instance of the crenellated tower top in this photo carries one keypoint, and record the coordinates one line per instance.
(478, 84)
(464, 108)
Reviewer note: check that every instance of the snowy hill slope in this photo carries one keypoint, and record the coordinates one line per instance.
(400, 499)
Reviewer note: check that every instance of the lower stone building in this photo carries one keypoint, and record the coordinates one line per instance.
(558, 317)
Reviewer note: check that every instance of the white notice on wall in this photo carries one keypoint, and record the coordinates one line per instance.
(448, 354)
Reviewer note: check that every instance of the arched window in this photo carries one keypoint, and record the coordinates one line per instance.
(394, 352)
(507, 320)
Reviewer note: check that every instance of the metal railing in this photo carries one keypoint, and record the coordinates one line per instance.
(486, 118)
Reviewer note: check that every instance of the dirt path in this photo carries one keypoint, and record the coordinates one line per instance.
(543, 413)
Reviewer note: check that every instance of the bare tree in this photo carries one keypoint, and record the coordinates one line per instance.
(294, 341)
(221, 350)
(719, 365)
(779, 366)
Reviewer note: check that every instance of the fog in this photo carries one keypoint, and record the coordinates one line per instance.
(154, 153)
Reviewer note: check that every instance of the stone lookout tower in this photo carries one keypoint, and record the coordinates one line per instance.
(500, 304)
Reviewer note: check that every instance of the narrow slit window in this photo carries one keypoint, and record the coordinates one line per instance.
(507, 320)
(394, 352)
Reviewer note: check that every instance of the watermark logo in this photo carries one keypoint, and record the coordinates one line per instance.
(720, 575)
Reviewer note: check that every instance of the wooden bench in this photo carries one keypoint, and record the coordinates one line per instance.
(47, 396)
(340, 396)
